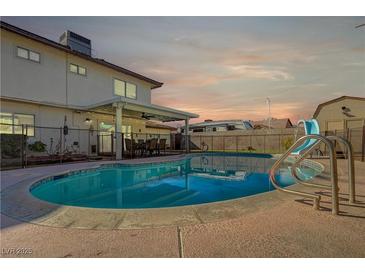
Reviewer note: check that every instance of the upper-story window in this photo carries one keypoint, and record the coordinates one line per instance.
(119, 87)
(125, 89)
(78, 69)
(131, 91)
(28, 54)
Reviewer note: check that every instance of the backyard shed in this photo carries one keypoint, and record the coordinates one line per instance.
(342, 113)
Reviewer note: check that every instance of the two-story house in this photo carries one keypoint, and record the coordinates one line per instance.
(53, 84)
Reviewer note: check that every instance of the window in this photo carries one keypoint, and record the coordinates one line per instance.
(34, 56)
(6, 121)
(73, 68)
(125, 89)
(198, 130)
(82, 71)
(24, 119)
(78, 69)
(23, 53)
(127, 131)
(131, 91)
(119, 87)
(28, 54)
(12, 123)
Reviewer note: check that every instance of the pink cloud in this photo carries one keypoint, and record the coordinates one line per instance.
(260, 72)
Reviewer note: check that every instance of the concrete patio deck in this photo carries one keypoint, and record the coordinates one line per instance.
(271, 224)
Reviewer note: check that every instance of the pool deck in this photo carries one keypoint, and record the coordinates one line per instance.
(271, 224)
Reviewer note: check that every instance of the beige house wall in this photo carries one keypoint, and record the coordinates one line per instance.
(97, 85)
(44, 81)
(49, 116)
(161, 131)
(51, 81)
(51, 119)
(331, 117)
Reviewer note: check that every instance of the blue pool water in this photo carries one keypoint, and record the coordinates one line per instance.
(202, 178)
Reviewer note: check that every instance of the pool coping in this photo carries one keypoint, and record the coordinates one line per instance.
(18, 203)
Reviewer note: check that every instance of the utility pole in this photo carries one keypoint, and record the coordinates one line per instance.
(268, 102)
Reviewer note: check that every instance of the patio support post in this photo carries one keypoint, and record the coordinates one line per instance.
(187, 143)
(118, 130)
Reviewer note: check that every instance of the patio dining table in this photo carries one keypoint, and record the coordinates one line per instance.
(145, 145)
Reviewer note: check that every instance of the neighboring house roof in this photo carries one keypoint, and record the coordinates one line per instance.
(150, 124)
(67, 49)
(320, 106)
(275, 123)
(260, 126)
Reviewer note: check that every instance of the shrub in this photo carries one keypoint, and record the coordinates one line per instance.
(250, 149)
(37, 146)
(10, 148)
(288, 142)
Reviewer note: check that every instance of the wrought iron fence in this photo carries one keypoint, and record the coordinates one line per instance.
(24, 145)
(12, 146)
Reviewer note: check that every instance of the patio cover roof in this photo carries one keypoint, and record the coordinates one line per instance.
(151, 111)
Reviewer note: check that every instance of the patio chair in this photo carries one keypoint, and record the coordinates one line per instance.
(135, 147)
(141, 145)
(129, 147)
(152, 146)
(162, 146)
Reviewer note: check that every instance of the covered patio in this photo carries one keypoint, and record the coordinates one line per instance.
(119, 108)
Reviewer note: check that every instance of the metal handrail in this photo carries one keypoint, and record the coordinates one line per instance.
(333, 170)
(351, 168)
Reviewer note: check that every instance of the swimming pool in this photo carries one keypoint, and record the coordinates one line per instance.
(196, 179)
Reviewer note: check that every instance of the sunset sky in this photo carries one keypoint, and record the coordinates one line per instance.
(226, 67)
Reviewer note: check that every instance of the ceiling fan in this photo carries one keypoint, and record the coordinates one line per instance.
(146, 116)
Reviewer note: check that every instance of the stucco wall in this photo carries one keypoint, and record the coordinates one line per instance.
(51, 81)
(97, 85)
(21, 78)
(48, 121)
(48, 116)
(331, 117)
